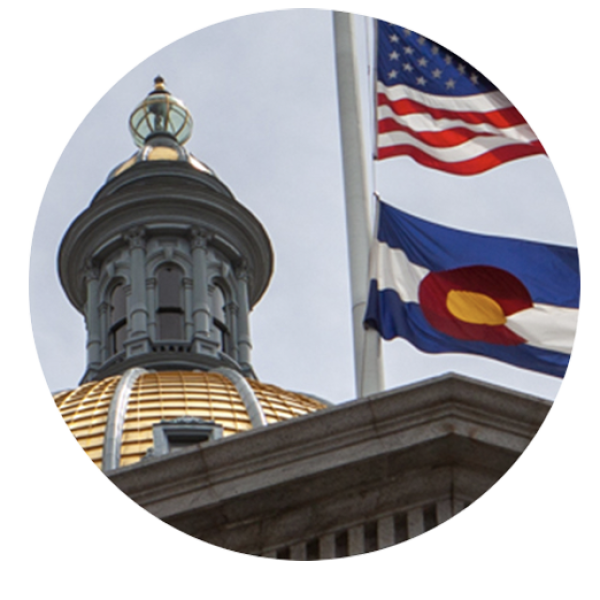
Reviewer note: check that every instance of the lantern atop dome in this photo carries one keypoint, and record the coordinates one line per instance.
(160, 113)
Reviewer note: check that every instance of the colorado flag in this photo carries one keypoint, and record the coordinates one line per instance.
(446, 290)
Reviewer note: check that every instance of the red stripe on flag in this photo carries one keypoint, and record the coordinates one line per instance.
(446, 138)
(473, 166)
(501, 118)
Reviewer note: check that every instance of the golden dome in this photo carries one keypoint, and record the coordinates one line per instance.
(167, 395)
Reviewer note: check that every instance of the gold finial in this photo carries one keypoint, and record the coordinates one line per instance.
(159, 84)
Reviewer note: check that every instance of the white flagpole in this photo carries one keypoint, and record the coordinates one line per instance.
(367, 344)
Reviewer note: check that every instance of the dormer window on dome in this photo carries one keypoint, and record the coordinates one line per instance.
(160, 113)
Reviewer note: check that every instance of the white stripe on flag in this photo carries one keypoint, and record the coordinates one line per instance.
(466, 151)
(486, 102)
(543, 325)
(422, 122)
(546, 326)
(392, 270)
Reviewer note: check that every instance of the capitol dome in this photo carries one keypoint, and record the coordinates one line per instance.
(188, 398)
(166, 266)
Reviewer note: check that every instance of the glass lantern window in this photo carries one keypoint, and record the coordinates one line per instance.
(160, 113)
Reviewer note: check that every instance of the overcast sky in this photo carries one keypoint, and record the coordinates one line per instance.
(262, 94)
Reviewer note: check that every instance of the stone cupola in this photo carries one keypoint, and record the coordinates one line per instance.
(165, 264)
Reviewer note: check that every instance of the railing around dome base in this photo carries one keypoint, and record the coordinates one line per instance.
(175, 346)
(171, 346)
(164, 355)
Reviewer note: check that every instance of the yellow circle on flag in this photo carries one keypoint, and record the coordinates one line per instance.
(472, 307)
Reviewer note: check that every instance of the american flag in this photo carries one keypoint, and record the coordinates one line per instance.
(436, 108)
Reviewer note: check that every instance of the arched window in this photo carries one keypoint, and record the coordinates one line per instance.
(169, 314)
(220, 319)
(117, 330)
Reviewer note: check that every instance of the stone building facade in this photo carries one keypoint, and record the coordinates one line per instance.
(166, 265)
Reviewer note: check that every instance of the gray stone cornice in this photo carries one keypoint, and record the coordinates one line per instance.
(139, 174)
(445, 421)
(164, 200)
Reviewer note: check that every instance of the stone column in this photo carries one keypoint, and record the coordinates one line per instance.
(201, 313)
(92, 318)
(243, 341)
(231, 318)
(443, 510)
(385, 532)
(356, 540)
(128, 303)
(416, 524)
(103, 312)
(298, 551)
(327, 546)
(137, 318)
(187, 307)
(151, 303)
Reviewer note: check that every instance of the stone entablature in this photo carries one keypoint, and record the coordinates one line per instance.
(349, 479)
